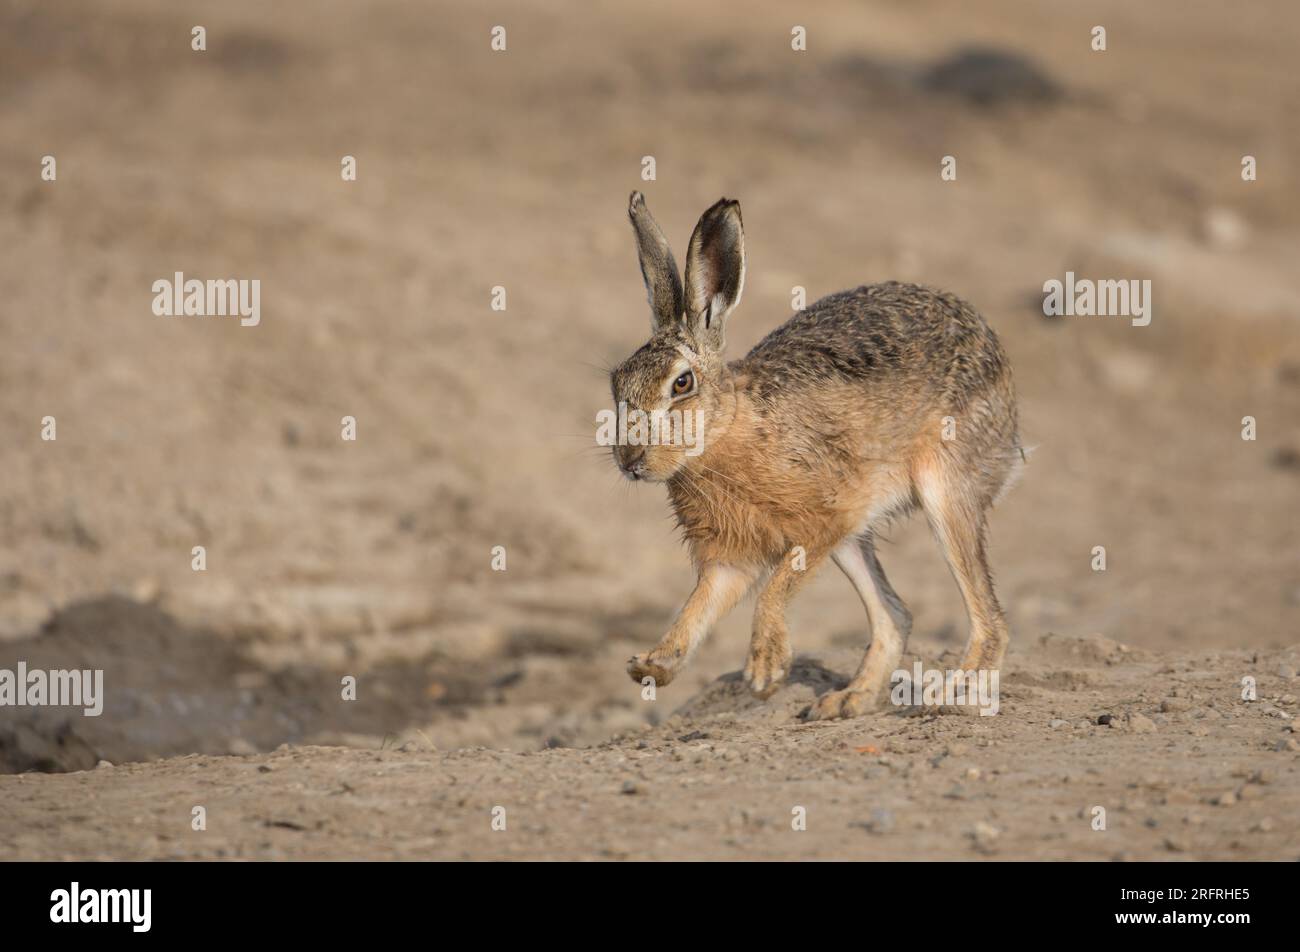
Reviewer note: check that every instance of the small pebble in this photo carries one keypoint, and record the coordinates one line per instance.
(985, 835)
(1141, 724)
(882, 821)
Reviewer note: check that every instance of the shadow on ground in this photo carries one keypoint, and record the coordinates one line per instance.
(171, 689)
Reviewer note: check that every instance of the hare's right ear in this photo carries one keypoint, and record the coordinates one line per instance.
(663, 283)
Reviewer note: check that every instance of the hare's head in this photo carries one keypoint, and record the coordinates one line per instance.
(674, 389)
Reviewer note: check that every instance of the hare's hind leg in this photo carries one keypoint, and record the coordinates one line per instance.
(898, 612)
(891, 623)
(956, 514)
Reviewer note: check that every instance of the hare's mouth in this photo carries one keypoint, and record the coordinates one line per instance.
(639, 472)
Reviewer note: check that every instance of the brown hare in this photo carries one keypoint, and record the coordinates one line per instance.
(869, 404)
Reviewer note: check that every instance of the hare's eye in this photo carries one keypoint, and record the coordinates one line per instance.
(684, 384)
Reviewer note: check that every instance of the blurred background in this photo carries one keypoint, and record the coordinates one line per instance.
(475, 427)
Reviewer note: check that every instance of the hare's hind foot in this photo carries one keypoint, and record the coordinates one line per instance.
(851, 702)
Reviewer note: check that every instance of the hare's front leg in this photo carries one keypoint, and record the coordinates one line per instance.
(769, 645)
(716, 592)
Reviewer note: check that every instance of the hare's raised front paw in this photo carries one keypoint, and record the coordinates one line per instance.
(766, 670)
(846, 703)
(653, 664)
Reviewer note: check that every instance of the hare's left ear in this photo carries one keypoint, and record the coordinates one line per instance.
(663, 285)
(715, 272)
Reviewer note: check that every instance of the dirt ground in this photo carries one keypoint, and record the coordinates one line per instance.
(479, 689)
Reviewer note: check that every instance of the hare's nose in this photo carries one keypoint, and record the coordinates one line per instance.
(631, 460)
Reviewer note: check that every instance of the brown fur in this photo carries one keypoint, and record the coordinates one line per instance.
(830, 427)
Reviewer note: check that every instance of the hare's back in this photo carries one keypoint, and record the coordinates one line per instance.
(876, 333)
